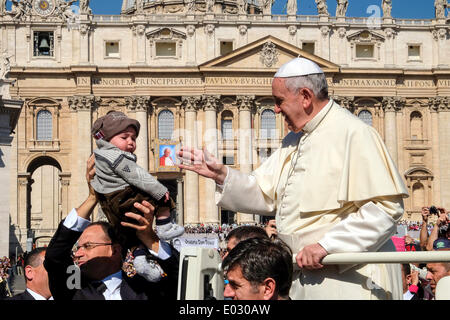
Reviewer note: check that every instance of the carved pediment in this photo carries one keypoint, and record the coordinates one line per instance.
(367, 36)
(266, 54)
(166, 34)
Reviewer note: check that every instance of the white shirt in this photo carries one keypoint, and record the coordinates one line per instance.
(113, 283)
(37, 296)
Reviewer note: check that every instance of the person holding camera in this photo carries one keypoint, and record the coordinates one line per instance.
(440, 230)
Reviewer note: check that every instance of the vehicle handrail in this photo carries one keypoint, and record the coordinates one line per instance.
(384, 257)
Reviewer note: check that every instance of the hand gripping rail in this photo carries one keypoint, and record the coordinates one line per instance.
(385, 257)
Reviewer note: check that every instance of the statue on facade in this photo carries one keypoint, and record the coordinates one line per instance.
(242, 6)
(210, 5)
(139, 6)
(267, 6)
(387, 8)
(84, 7)
(439, 7)
(2, 7)
(292, 7)
(63, 9)
(5, 65)
(20, 9)
(190, 5)
(341, 8)
(322, 7)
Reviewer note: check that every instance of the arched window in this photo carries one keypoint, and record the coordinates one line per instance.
(268, 125)
(366, 116)
(227, 125)
(416, 125)
(418, 193)
(44, 126)
(165, 125)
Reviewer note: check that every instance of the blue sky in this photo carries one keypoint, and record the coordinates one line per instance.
(406, 9)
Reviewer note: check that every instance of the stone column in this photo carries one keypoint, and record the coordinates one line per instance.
(139, 105)
(84, 44)
(245, 105)
(390, 127)
(23, 223)
(180, 217)
(434, 104)
(342, 49)
(9, 114)
(210, 106)
(191, 105)
(389, 48)
(65, 208)
(440, 36)
(325, 42)
(81, 106)
(139, 35)
(443, 108)
(211, 41)
(191, 44)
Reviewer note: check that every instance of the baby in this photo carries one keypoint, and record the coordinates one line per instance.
(119, 182)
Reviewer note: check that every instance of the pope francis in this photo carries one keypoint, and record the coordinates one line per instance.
(332, 184)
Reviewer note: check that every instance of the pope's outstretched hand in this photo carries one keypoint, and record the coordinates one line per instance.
(203, 163)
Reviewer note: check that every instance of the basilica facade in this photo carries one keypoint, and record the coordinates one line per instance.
(198, 73)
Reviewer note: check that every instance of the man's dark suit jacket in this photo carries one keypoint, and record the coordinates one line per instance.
(58, 259)
(22, 296)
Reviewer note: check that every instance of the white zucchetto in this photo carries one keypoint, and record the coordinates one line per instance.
(298, 67)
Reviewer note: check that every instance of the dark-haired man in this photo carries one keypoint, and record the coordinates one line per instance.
(243, 233)
(99, 257)
(36, 277)
(258, 269)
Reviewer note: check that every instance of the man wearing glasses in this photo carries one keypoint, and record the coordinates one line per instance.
(95, 249)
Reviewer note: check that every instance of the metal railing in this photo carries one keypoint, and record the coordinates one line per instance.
(384, 257)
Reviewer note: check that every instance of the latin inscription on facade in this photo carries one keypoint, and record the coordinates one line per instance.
(251, 81)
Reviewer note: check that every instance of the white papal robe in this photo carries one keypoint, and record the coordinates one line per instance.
(335, 184)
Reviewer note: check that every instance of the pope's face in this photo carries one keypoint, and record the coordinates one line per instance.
(289, 104)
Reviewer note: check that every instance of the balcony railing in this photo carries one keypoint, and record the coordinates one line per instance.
(257, 17)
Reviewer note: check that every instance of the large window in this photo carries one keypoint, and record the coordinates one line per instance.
(44, 128)
(366, 116)
(268, 125)
(166, 49)
(227, 125)
(365, 51)
(165, 125)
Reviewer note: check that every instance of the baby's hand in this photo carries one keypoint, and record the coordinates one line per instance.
(167, 196)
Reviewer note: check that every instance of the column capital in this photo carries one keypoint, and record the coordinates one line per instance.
(83, 103)
(345, 102)
(393, 104)
(211, 102)
(245, 103)
(24, 178)
(191, 103)
(439, 104)
(439, 34)
(137, 103)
